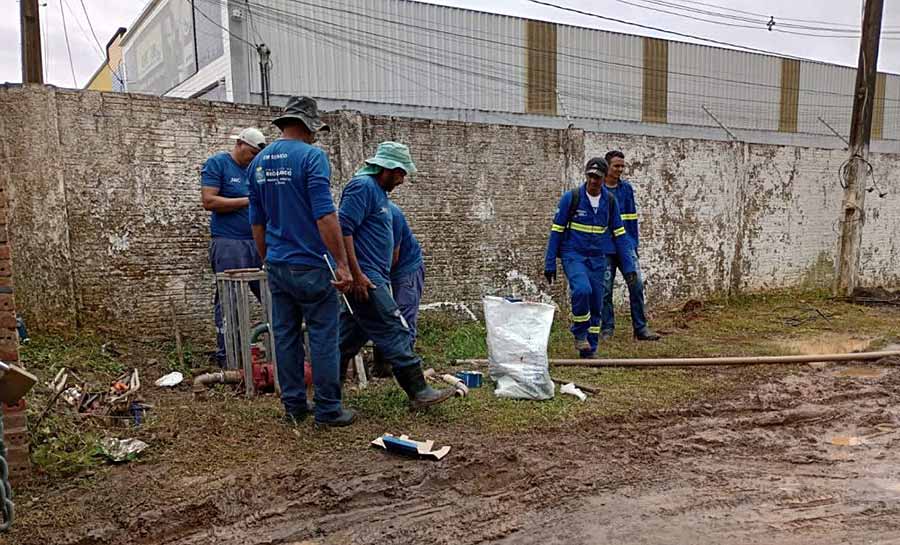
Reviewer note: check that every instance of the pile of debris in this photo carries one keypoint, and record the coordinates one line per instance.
(119, 403)
(875, 296)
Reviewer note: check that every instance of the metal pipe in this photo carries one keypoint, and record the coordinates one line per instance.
(689, 362)
(204, 381)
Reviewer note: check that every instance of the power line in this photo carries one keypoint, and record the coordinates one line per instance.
(658, 29)
(69, 49)
(854, 27)
(208, 18)
(756, 24)
(105, 58)
(591, 60)
(282, 17)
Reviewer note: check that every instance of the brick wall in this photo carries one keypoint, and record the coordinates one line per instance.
(110, 232)
(15, 429)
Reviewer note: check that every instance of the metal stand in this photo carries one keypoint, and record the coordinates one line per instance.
(234, 293)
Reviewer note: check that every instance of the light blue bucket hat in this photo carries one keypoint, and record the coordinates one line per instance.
(389, 155)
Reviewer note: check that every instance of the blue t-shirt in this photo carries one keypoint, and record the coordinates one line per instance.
(410, 258)
(366, 215)
(288, 194)
(220, 171)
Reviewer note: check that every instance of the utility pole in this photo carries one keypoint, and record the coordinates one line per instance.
(32, 64)
(852, 213)
(264, 66)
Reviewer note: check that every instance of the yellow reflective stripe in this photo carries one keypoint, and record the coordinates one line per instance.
(595, 329)
(629, 216)
(583, 318)
(619, 232)
(557, 228)
(595, 229)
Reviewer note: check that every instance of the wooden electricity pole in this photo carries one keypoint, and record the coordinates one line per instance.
(852, 213)
(32, 64)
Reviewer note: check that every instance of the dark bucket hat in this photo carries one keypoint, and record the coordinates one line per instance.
(303, 109)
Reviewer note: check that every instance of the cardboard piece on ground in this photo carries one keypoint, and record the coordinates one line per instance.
(405, 445)
(15, 383)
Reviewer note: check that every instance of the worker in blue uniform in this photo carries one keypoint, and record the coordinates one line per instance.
(367, 226)
(586, 228)
(624, 194)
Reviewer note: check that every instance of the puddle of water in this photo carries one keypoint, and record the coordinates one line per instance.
(832, 343)
(846, 440)
(860, 372)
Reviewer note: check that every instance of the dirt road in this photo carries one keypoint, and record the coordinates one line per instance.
(808, 455)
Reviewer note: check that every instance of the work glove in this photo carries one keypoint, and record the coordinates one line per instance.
(631, 278)
(550, 276)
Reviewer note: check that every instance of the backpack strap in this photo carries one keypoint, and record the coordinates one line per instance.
(574, 201)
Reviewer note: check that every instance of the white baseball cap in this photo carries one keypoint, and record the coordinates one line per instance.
(252, 137)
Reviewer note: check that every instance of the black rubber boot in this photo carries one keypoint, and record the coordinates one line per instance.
(420, 394)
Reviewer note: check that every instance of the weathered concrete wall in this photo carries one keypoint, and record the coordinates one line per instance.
(728, 216)
(109, 231)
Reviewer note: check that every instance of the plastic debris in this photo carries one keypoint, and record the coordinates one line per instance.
(122, 450)
(408, 447)
(172, 379)
(571, 389)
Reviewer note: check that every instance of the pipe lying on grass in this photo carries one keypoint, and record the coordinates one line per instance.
(204, 381)
(729, 360)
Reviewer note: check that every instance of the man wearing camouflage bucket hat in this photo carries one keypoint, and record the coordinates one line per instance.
(366, 223)
(295, 225)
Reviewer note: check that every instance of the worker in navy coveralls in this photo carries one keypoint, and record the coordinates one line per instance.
(586, 228)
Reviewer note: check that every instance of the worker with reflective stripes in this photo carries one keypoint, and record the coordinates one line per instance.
(624, 194)
(586, 228)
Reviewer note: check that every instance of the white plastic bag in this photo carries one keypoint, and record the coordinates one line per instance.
(517, 336)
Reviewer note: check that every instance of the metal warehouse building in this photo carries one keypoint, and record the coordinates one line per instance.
(409, 58)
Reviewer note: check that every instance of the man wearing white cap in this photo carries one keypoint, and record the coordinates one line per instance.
(225, 190)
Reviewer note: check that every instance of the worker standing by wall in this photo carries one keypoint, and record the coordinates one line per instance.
(294, 225)
(624, 194)
(225, 191)
(587, 226)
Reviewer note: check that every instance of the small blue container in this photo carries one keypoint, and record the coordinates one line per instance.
(472, 379)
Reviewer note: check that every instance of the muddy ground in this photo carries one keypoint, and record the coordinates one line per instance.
(766, 454)
(802, 455)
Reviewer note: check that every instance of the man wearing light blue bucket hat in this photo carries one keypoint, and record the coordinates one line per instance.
(367, 227)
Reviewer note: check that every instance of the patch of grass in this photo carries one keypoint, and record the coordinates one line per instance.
(82, 353)
(193, 357)
(60, 447)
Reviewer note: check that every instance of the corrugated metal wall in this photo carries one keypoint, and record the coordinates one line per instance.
(826, 91)
(600, 74)
(891, 108)
(740, 89)
(404, 52)
(390, 51)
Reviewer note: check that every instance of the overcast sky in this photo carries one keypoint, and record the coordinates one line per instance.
(107, 15)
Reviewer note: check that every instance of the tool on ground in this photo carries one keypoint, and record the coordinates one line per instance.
(461, 389)
(573, 390)
(472, 379)
(334, 276)
(690, 362)
(234, 292)
(57, 386)
(408, 447)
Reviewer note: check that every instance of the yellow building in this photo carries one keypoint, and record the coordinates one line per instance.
(110, 76)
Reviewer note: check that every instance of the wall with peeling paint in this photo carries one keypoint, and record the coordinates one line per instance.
(720, 216)
(109, 232)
